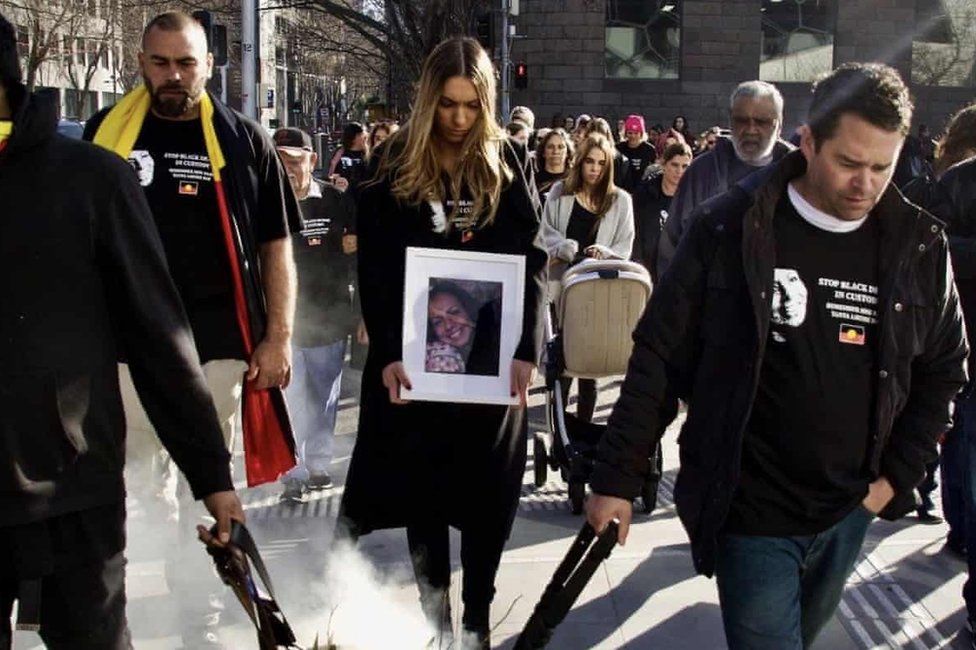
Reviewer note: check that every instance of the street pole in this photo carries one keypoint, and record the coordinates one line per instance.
(249, 82)
(506, 63)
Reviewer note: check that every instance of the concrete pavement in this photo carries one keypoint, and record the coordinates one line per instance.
(904, 594)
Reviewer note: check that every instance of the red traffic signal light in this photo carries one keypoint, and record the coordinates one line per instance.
(521, 75)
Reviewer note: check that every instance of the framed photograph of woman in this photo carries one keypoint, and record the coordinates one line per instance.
(461, 324)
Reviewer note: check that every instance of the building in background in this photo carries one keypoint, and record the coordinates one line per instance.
(72, 47)
(662, 58)
(308, 73)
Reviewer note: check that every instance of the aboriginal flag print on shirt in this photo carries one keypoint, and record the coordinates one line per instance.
(804, 457)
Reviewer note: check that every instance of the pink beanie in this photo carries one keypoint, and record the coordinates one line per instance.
(634, 123)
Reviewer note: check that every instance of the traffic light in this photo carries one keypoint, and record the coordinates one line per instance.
(485, 30)
(521, 75)
(218, 46)
(216, 36)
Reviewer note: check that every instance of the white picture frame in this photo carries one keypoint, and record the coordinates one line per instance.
(449, 354)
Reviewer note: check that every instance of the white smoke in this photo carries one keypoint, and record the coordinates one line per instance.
(363, 613)
(350, 605)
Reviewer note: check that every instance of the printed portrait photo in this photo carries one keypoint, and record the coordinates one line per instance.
(464, 320)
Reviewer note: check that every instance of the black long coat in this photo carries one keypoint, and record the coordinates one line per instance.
(426, 461)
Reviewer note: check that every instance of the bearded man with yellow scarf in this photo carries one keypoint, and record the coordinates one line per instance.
(225, 210)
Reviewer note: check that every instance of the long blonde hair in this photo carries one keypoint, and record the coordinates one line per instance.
(605, 191)
(411, 158)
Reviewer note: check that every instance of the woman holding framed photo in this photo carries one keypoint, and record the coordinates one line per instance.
(450, 179)
(587, 216)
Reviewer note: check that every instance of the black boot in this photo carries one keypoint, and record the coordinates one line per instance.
(474, 640)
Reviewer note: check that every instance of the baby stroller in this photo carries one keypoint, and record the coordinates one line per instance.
(597, 307)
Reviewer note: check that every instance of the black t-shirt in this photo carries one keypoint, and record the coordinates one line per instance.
(170, 159)
(544, 181)
(351, 166)
(637, 159)
(324, 311)
(804, 457)
(582, 226)
(463, 222)
(651, 207)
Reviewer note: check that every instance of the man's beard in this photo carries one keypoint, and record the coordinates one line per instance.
(174, 104)
(756, 158)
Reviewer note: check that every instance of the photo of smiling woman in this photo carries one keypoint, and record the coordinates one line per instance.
(449, 179)
(463, 330)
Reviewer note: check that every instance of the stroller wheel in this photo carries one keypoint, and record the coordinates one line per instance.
(540, 458)
(577, 493)
(649, 496)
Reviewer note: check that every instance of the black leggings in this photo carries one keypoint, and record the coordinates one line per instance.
(481, 553)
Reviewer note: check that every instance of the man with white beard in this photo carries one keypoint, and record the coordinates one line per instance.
(756, 117)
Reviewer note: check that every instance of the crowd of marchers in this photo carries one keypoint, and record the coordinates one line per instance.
(810, 302)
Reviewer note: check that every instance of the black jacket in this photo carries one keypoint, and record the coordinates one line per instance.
(709, 175)
(704, 332)
(952, 198)
(84, 278)
(648, 222)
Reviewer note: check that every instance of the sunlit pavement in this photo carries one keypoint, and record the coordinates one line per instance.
(906, 592)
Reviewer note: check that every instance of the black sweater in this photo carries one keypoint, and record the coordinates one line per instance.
(84, 280)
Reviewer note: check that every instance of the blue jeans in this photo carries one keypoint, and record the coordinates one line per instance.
(959, 488)
(313, 403)
(777, 593)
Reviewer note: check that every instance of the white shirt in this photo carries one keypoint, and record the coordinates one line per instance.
(819, 218)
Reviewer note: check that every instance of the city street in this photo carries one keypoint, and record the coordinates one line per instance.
(906, 592)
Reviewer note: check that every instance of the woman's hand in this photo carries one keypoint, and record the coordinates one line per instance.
(522, 375)
(362, 337)
(395, 376)
(598, 252)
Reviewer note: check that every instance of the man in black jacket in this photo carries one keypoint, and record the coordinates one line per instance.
(811, 323)
(84, 281)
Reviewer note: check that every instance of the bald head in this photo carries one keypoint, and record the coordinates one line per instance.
(175, 65)
(175, 21)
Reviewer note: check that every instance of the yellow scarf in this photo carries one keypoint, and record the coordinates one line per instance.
(121, 127)
(6, 128)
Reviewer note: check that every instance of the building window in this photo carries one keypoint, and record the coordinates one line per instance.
(643, 39)
(944, 47)
(91, 49)
(797, 39)
(23, 41)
